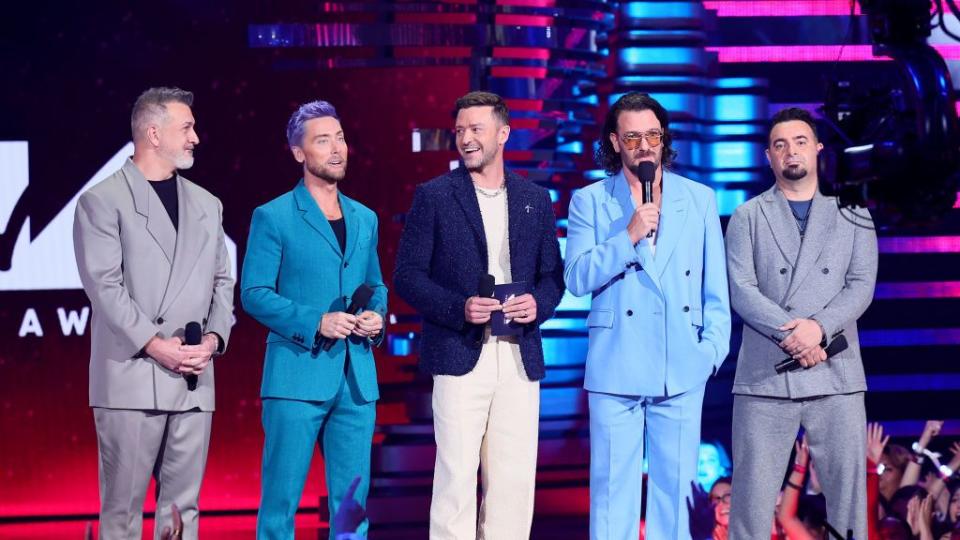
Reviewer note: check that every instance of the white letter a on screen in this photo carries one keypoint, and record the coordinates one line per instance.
(31, 324)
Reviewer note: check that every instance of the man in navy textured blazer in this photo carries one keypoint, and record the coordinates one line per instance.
(476, 220)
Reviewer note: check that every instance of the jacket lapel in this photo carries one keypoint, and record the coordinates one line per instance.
(782, 224)
(673, 218)
(314, 217)
(466, 196)
(620, 207)
(191, 238)
(350, 216)
(523, 216)
(823, 216)
(145, 198)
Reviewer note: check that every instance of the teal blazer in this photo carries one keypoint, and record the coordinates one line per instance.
(293, 273)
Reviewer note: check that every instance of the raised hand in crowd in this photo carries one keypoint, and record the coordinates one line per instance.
(920, 517)
(350, 514)
(912, 473)
(701, 513)
(176, 532)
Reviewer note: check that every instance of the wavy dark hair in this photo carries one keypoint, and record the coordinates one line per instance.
(606, 156)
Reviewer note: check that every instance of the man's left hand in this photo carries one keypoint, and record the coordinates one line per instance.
(369, 324)
(522, 309)
(200, 355)
(805, 335)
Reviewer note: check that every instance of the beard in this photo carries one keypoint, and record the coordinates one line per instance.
(325, 174)
(477, 161)
(634, 163)
(182, 159)
(795, 173)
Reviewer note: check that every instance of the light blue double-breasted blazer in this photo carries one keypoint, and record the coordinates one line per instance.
(659, 322)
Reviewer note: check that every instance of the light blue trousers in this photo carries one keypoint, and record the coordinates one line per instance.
(619, 427)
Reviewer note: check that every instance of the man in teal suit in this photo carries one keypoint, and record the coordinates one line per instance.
(308, 250)
(659, 322)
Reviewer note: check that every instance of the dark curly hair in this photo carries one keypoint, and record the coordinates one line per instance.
(606, 156)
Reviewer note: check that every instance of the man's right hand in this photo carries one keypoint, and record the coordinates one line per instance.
(477, 309)
(337, 324)
(812, 356)
(167, 352)
(645, 219)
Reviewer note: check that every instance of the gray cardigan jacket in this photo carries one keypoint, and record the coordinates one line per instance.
(775, 278)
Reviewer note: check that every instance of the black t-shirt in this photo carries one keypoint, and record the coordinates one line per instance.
(167, 191)
(340, 231)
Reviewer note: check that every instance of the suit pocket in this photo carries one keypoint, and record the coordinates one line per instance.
(600, 318)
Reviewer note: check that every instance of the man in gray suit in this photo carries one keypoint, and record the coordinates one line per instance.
(802, 271)
(152, 258)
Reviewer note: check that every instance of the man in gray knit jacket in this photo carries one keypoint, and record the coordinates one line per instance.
(802, 271)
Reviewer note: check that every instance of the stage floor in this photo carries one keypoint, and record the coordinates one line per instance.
(308, 527)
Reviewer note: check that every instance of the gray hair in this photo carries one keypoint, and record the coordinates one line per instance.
(151, 106)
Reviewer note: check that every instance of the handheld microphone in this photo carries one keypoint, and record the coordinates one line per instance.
(838, 345)
(359, 300)
(646, 172)
(485, 289)
(192, 335)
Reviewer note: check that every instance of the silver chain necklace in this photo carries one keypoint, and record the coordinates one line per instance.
(490, 194)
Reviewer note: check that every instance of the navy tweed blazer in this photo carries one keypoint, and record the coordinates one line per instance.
(443, 253)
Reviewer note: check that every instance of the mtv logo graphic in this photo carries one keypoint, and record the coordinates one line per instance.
(47, 261)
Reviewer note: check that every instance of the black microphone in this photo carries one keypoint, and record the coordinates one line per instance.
(192, 335)
(838, 345)
(485, 289)
(646, 172)
(359, 300)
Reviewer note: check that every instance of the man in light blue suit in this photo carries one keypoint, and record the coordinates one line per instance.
(308, 250)
(659, 322)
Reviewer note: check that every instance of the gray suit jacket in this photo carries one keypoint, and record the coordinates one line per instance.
(145, 278)
(774, 278)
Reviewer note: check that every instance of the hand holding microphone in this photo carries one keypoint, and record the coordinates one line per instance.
(338, 325)
(198, 355)
(477, 309)
(644, 221)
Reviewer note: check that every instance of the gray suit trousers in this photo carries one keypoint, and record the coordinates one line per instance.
(171, 446)
(764, 430)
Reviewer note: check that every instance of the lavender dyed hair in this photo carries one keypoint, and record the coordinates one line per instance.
(307, 111)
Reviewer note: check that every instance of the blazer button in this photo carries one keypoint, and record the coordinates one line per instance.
(204, 322)
(346, 264)
(788, 308)
(629, 313)
(826, 270)
(688, 272)
(159, 320)
(783, 270)
(686, 308)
